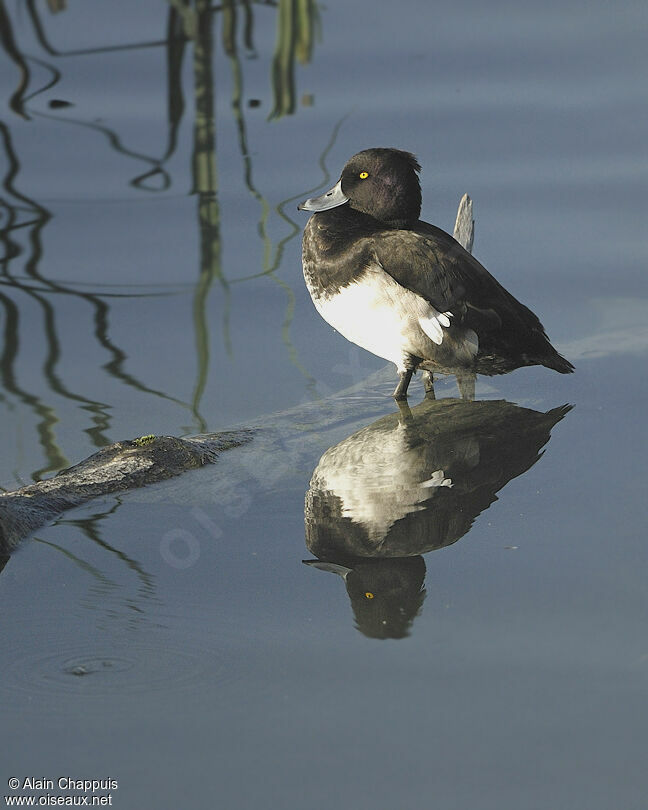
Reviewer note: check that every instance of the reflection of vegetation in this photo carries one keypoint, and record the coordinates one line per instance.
(297, 26)
(205, 186)
(45, 414)
(22, 214)
(23, 219)
(13, 52)
(270, 262)
(103, 585)
(25, 214)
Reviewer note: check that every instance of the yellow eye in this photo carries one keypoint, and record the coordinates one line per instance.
(368, 594)
(363, 175)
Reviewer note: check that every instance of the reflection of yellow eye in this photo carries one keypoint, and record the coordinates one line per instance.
(363, 175)
(368, 594)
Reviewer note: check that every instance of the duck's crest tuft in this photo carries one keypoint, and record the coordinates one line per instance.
(412, 160)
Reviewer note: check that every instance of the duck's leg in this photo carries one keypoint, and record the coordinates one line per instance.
(466, 385)
(428, 384)
(401, 388)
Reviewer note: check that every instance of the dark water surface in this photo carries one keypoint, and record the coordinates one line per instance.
(492, 652)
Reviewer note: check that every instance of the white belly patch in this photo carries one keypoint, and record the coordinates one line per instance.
(383, 317)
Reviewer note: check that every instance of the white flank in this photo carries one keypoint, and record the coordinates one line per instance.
(383, 317)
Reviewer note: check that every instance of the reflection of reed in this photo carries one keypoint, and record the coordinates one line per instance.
(205, 186)
(13, 52)
(104, 585)
(300, 18)
(22, 219)
(21, 214)
(45, 415)
(41, 36)
(25, 214)
(270, 262)
(175, 44)
(297, 26)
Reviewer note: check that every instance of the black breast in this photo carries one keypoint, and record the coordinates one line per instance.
(336, 248)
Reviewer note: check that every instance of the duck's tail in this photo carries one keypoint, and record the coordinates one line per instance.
(558, 363)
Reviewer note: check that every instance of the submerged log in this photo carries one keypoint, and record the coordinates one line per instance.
(116, 468)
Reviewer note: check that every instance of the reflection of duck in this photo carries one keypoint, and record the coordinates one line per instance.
(386, 595)
(410, 483)
(406, 290)
(415, 481)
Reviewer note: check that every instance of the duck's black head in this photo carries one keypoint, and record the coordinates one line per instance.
(380, 182)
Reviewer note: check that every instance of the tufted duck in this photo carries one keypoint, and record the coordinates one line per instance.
(406, 290)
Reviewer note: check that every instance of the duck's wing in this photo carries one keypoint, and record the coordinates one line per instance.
(433, 264)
